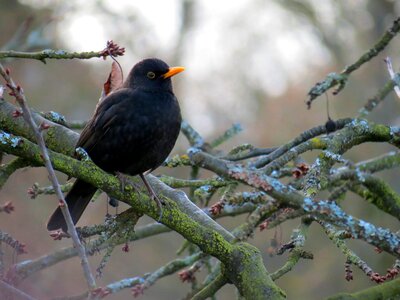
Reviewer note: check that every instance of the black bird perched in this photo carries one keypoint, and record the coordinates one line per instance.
(132, 131)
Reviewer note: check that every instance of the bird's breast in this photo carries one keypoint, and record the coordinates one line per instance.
(141, 136)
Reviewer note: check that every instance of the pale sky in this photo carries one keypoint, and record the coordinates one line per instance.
(263, 41)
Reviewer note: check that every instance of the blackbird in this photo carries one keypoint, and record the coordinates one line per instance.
(132, 131)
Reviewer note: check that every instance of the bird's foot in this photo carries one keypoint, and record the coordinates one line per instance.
(159, 203)
(154, 197)
(125, 180)
(82, 154)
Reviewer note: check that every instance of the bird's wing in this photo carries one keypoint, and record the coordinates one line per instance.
(103, 118)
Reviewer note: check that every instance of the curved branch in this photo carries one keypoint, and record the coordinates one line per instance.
(180, 214)
(7, 170)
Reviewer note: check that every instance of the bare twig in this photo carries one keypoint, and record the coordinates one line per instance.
(20, 34)
(12, 242)
(211, 288)
(7, 207)
(191, 134)
(373, 102)
(334, 79)
(246, 151)
(139, 284)
(111, 49)
(7, 290)
(17, 92)
(27, 268)
(296, 243)
(393, 75)
(235, 129)
(337, 237)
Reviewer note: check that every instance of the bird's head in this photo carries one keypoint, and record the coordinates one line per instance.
(152, 73)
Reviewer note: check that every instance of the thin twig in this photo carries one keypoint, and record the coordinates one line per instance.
(19, 35)
(211, 288)
(247, 151)
(26, 268)
(7, 290)
(340, 79)
(373, 102)
(229, 133)
(393, 75)
(111, 49)
(139, 284)
(17, 92)
(12, 242)
(191, 134)
(337, 237)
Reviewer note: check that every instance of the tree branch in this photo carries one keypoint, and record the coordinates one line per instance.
(20, 97)
(7, 290)
(210, 289)
(334, 79)
(112, 49)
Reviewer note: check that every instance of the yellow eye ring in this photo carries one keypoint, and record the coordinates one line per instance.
(151, 75)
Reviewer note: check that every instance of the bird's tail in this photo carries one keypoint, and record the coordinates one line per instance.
(77, 199)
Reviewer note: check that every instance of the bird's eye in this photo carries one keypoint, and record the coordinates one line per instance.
(151, 75)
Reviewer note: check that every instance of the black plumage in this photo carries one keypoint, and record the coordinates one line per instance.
(133, 130)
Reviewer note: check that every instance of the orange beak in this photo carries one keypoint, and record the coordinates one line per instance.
(173, 71)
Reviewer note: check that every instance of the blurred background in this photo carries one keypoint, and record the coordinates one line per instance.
(250, 62)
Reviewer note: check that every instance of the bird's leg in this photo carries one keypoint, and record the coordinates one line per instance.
(153, 195)
(124, 181)
(113, 202)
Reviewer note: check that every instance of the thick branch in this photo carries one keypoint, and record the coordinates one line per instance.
(7, 170)
(181, 215)
(378, 237)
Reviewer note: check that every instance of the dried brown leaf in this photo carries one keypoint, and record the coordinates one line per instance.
(114, 80)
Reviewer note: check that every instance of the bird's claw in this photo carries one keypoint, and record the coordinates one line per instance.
(154, 196)
(125, 181)
(82, 154)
